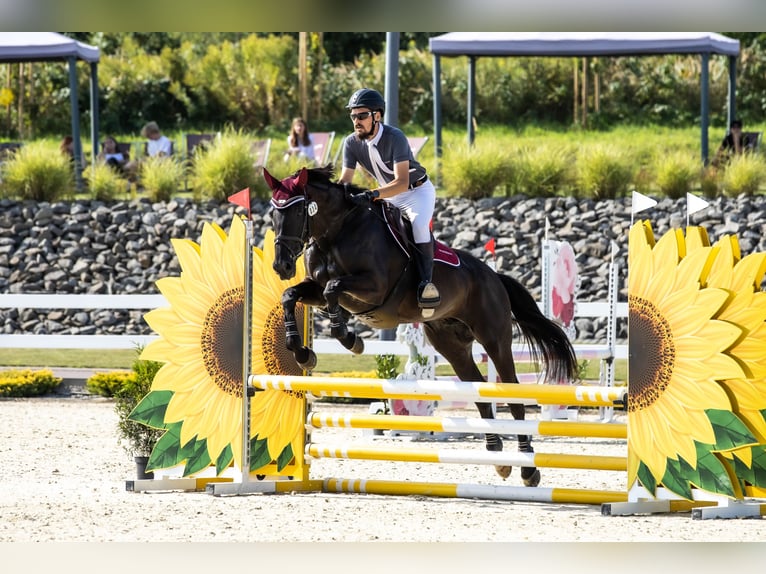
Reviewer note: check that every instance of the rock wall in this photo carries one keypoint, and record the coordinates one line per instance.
(124, 247)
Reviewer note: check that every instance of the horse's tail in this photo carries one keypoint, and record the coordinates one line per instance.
(542, 335)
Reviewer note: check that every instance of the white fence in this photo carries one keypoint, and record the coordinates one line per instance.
(147, 302)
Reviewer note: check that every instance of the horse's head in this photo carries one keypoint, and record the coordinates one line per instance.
(290, 220)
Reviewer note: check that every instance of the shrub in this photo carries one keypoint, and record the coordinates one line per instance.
(477, 171)
(544, 170)
(710, 182)
(226, 167)
(137, 438)
(104, 183)
(604, 172)
(27, 383)
(744, 174)
(39, 172)
(109, 384)
(676, 173)
(161, 177)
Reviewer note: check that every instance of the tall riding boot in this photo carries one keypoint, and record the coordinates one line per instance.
(428, 294)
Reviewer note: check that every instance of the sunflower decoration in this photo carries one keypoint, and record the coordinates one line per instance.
(683, 325)
(197, 394)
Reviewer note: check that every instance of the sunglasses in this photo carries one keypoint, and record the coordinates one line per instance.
(360, 116)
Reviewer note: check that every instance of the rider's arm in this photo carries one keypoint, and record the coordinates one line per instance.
(400, 183)
(347, 175)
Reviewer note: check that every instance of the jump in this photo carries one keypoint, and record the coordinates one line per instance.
(359, 261)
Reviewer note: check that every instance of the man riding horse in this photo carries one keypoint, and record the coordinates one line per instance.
(385, 153)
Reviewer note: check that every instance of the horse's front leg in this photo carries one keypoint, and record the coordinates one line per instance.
(309, 293)
(338, 327)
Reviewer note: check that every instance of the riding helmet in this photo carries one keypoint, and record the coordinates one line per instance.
(367, 98)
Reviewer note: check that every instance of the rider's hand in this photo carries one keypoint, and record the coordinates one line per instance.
(364, 197)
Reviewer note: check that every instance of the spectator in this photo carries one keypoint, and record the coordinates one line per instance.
(734, 143)
(112, 156)
(158, 145)
(299, 142)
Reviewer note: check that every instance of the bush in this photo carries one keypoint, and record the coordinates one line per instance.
(676, 173)
(27, 383)
(477, 171)
(104, 183)
(109, 384)
(226, 167)
(161, 177)
(544, 170)
(744, 175)
(604, 172)
(137, 438)
(39, 172)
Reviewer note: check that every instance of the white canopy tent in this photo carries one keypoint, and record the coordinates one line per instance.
(579, 44)
(50, 46)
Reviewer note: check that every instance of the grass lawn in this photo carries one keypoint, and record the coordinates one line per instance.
(123, 359)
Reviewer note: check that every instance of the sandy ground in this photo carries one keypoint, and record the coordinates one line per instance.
(63, 479)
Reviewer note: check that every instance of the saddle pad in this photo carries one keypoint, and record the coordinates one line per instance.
(443, 253)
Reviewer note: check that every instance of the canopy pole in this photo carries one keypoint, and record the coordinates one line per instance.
(77, 144)
(437, 77)
(94, 125)
(392, 79)
(471, 98)
(704, 104)
(732, 100)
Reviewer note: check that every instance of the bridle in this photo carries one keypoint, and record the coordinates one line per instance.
(288, 242)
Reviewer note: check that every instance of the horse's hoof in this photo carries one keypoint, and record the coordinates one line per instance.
(358, 347)
(426, 313)
(306, 358)
(533, 479)
(503, 471)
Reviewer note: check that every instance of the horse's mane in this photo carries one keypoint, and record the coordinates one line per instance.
(326, 176)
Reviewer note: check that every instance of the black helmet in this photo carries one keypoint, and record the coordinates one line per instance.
(367, 98)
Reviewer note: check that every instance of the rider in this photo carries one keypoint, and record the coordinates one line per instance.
(385, 153)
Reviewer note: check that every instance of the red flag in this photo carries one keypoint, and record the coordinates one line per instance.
(490, 246)
(242, 198)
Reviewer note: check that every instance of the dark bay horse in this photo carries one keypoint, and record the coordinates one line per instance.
(356, 265)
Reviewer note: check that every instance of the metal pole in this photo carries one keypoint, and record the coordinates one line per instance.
(437, 78)
(392, 79)
(77, 144)
(246, 348)
(471, 97)
(732, 98)
(704, 105)
(94, 118)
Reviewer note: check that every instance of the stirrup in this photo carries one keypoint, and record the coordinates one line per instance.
(428, 295)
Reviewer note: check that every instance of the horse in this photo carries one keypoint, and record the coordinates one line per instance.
(357, 265)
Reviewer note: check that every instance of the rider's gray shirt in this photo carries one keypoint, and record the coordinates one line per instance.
(392, 146)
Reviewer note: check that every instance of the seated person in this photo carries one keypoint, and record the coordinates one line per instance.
(67, 148)
(111, 155)
(299, 142)
(157, 145)
(734, 143)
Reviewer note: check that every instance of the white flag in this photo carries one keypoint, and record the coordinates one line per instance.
(695, 204)
(641, 202)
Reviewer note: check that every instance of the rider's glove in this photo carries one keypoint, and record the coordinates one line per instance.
(365, 197)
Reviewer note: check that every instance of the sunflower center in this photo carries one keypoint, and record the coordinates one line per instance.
(222, 341)
(277, 359)
(652, 353)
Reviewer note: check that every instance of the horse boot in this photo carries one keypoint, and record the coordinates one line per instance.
(428, 294)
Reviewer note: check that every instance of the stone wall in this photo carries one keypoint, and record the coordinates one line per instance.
(124, 247)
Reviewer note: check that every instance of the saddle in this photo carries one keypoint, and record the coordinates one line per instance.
(401, 230)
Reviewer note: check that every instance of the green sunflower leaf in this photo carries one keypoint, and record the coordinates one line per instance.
(285, 457)
(259, 453)
(151, 409)
(730, 431)
(646, 478)
(676, 478)
(224, 460)
(712, 474)
(199, 459)
(755, 474)
(167, 452)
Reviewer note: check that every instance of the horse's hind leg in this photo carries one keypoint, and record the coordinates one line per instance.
(454, 341)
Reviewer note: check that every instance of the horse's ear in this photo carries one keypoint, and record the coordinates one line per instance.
(303, 177)
(271, 181)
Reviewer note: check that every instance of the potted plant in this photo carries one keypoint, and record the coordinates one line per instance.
(137, 439)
